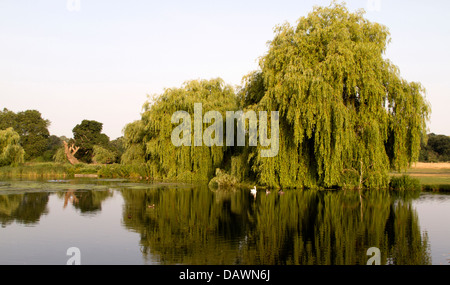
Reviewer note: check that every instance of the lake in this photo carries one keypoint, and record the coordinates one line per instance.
(125, 222)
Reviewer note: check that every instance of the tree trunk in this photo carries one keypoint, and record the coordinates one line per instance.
(70, 153)
(361, 175)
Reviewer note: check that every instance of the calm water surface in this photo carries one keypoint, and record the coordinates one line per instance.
(120, 222)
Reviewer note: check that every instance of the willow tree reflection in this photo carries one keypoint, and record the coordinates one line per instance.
(26, 208)
(198, 226)
(86, 201)
(192, 226)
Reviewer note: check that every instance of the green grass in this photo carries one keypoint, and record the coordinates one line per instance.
(405, 182)
(66, 170)
(47, 170)
(430, 179)
(436, 187)
(36, 170)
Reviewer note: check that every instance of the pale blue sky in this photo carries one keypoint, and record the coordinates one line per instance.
(99, 63)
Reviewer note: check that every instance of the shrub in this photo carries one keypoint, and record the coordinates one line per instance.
(103, 155)
(223, 180)
(405, 182)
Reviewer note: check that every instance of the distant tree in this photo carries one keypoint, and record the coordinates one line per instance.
(11, 153)
(60, 155)
(86, 135)
(32, 129)
(103, 155)
(65, 153)
(70, 151)
(53, 144)
(118, 147)
(436, 149)
(7, 119)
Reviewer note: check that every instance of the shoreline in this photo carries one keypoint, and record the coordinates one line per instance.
(432, 176)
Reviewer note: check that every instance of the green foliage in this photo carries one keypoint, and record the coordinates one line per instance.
(343, 106)
(117, 146)
(86, 135)
(435, 149)
(133, 141)
(7, 119)
(11, 153)
(26, 208)
(36, 170)
(405, 182)
(60, 156)
(223, 180)
(346, 116)
(53, 144)
(83, 168)
(241, 165)
(134, 171)
(32, 128)
(103, 156)
(149, 140)
(436, 187)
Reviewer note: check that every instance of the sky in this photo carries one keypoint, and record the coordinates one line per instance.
(100, 59)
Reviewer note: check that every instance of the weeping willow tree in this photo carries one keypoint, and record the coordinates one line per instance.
(133, 142)
(11, 152)
(149, 140)
(346, 115)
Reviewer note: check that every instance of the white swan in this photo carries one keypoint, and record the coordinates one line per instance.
(253, 190)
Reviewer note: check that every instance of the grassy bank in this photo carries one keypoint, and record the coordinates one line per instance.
(53, 170)
(432, 176)
(35, 170)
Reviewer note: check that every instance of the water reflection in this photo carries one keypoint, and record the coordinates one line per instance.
(86, 201)
(23, 208)
(300, 227)
(194, 225)
(69, 197)
(27, 208)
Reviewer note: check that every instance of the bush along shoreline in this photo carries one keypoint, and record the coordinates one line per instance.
(221, 181)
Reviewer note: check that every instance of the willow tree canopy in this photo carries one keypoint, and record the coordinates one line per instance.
(11, 152)
(152, 135)
(346, 115)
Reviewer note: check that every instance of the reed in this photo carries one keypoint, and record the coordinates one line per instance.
(405, 182)
(36, 170)
(436, 187)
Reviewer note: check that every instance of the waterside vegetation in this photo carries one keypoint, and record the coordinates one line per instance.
(347, 119)
(425, 178)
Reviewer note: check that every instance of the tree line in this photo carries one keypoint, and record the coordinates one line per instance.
(24, 136)
(346, 116)
(435, 149)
